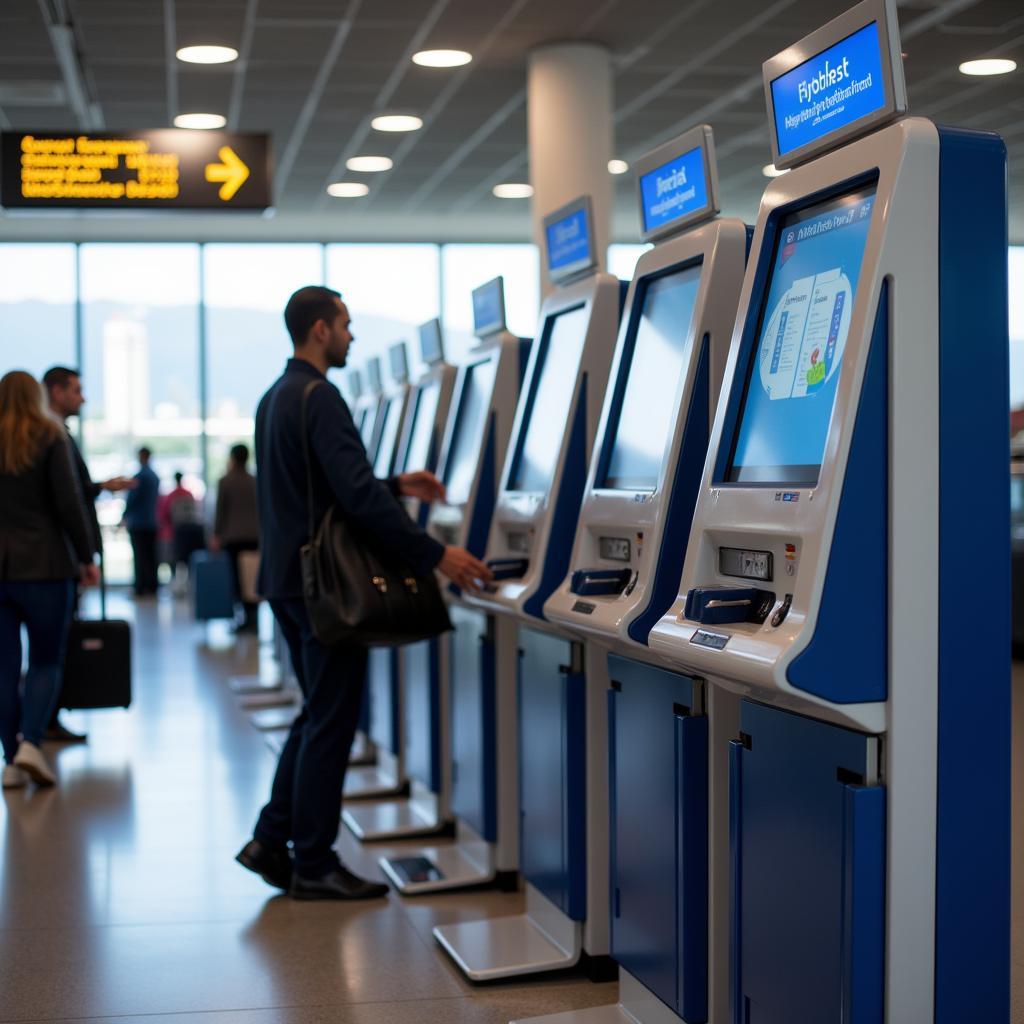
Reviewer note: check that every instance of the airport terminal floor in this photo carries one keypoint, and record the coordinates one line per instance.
(120, 898)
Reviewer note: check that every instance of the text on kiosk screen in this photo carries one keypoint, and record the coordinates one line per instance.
(794, 372)
(474, 401)
(661, 354)
(553, 385)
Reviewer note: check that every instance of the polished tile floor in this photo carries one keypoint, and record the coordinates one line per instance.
(120, 900)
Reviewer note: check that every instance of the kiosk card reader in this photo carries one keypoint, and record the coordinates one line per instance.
(859, 733)
(500, 671)
(389, 668)
(647, 728)
(385, 778)
(473, 450)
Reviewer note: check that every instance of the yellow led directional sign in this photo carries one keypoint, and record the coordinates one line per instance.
(164, 168)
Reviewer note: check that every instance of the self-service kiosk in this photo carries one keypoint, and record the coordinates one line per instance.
(369, 409)
(389, 668)
(505, 672)
(473, 451)
(384, 778)
(845, 593)
(645, 726)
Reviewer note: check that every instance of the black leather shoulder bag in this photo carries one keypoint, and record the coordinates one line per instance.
(351, 594)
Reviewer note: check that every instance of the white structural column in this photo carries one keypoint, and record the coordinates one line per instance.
(569, 108)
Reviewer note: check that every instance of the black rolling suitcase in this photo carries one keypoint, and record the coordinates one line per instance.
(98, 664)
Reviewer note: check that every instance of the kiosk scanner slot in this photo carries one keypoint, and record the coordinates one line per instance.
(402, 680)
(840, 477)
(529, 543)
(472, 449)
(646, 732)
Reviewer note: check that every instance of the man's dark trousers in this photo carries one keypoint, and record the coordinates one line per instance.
(144, 556)
(305, 799)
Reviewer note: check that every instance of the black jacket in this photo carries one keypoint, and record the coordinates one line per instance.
(342, 475)
(90, 492)
(45, 529)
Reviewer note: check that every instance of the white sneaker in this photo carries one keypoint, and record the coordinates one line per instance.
(14, 777)
(30, 758)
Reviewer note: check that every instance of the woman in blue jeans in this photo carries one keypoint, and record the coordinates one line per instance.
(46, 547)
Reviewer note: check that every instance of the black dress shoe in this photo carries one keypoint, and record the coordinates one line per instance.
(339, 884)
(58, 732)
(274, 866)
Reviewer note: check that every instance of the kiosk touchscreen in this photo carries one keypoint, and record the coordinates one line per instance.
(385, 777)
(827, 583)
(627, 558)
(395, 673)
(475, 441)
(368, 411)
(528, 550)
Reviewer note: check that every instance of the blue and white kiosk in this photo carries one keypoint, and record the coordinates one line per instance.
(368, 412)
(854, 509)
(384, 778)
(528, 549)
(473, 450)
(645, 725)
(419, 447)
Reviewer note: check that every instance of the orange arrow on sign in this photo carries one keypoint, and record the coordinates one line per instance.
(231, 171)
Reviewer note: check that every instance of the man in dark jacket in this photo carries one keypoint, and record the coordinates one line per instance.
(65, 397)
(140, 518)
(305, 800)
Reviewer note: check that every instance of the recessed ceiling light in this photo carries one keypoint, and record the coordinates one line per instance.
(513, 190)
(369, 163)
(441, 58)
(347, 189)
(618, 166)
(988, 66)
(771, 171)
(207, 54)
(203, 121)
(397, 123)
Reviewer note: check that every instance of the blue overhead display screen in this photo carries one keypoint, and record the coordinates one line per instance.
(568, 243)
(830, 91)
(674, 190)
(805, 319)
(470, 422)
(489, 307)
(552, 387)
(417, 454)
(661, 353)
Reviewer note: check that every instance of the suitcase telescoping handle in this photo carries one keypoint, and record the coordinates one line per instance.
(103, 589)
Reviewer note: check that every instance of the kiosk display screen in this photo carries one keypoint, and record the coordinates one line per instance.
(474, 401)
(418, 452)
(805, 319)
(661, 353)
(554, 382)
(368, 423)
(388, 437)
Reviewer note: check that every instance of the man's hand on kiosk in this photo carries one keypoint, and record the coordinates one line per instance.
(422, 485)
(464, 570)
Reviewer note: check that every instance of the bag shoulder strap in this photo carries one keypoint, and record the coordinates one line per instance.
(310, 512)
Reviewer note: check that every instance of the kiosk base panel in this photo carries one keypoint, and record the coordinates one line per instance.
(383, 779)
(464, 865)
(635, 1006)
(397, 819)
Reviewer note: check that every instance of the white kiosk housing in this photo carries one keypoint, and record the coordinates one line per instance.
(854, 508)
(419, 448)
(645, 723)
(473, 450)
(528, 549)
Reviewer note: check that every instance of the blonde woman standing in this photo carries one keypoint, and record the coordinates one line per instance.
(46, 547)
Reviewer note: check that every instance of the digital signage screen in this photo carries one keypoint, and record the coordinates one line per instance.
(804, 321)
(552, 387)
(569, 242)
(830, 91)
(489, 307)
(470, 422)
(661, 354)
(674, 191)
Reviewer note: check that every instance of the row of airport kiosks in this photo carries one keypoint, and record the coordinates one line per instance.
(472, 449)
(528, 550)
(388, 668)
(852, 860)
(368, 411)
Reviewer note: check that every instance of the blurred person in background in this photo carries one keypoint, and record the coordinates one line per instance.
(65, 397)
(47, 544)
(140, 518)
(236, 526)
(179, 526)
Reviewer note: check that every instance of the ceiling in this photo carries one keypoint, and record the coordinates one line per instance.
(313, 72)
